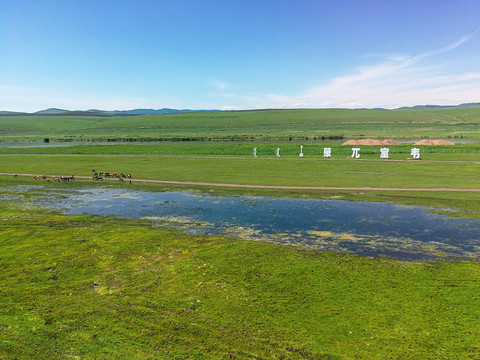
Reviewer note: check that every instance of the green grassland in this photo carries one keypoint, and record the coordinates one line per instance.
(459, 152)
(88, 287)
(92, 287)
(248, 125)
(267, 171)
(453, 167)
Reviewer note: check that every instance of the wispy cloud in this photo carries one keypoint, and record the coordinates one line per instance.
(440, 76)
(411, 80)
(397, 80)
(456, 44)
(218, 85)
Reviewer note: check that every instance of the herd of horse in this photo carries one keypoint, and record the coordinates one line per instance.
(55, 178)
(96, 176)
(102, 175)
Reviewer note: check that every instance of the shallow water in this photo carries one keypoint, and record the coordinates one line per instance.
(365, 228)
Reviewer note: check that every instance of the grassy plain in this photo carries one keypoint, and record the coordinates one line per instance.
(441, 167)
(93, 287)
(248, 125)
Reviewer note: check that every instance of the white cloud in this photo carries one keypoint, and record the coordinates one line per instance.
(434, 77)
(217, 84)
(398, 80)
(229, 108)
(455, 44)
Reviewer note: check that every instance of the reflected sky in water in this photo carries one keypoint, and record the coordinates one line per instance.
(365, 228)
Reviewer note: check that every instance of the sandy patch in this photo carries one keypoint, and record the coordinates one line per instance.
(434, 142)
(371, 142)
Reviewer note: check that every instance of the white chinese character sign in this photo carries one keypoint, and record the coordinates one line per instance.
(355, 153)
(415, 153)
(327, 152)
(384, 153)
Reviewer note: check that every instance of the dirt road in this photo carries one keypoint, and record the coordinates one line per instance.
(193, 183)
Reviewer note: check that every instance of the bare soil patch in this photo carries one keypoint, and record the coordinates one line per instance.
(434, 142)
(371, 142)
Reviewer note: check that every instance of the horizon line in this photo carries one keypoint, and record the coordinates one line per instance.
(236, 110)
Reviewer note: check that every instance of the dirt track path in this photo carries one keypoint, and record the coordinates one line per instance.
(192, 183)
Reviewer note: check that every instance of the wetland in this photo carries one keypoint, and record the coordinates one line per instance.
(364, 228)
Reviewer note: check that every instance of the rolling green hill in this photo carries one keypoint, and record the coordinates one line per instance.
(300, 124)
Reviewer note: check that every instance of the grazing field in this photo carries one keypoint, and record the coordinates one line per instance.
(290, 125)
(93, 287)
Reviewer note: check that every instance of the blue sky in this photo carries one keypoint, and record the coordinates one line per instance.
(222, 54)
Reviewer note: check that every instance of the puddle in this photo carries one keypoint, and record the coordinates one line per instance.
(364, 228)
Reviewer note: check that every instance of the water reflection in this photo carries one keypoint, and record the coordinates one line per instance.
(365, 228)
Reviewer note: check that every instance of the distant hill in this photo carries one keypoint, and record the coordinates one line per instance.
(156, 112)
(461, 106)
(96, 112)
(51, 111)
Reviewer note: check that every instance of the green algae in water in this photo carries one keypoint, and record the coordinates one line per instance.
(364, 228)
